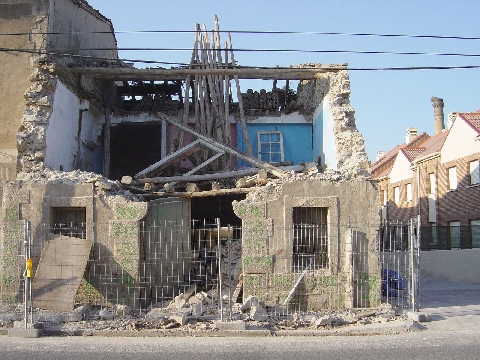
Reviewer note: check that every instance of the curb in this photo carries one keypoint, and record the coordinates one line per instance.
(400, 327)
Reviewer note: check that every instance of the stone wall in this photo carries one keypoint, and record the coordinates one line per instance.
(334, 89)
(111, 224)
(268, 242)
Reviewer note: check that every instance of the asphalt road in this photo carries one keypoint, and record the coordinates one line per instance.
(417, 345)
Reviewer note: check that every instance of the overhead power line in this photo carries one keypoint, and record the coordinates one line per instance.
(257, 32)
(90, 57)
(367, 52)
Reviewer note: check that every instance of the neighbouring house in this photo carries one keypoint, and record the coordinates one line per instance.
(110, 168)
(435, 179)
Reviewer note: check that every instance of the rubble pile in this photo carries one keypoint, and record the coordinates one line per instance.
(196, 314)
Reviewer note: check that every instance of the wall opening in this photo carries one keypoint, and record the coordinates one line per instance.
(310, 238)
(134, 147)
(69, 221)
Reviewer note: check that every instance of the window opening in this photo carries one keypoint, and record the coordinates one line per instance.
(474, 172)
(455, 240)
(409, 192)
(270, 146)
(452, 178)
(396, 193)
(310, 238)
(475, 229)
(69, 222)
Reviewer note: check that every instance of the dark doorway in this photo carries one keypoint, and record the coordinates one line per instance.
(134, 147)
(217, 207)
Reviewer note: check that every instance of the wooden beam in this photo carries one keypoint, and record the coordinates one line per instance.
(253, 161)
(192, 178)
(182, 74)
(207, 193)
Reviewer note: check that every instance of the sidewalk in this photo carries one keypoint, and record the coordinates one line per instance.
(450, 305)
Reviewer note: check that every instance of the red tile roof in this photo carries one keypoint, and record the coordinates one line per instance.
(411, 153)
(419, 147)
(434, 144)
(473, 119)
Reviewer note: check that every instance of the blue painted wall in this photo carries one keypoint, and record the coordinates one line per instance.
(297, 141)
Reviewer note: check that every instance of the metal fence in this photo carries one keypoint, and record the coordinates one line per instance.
(399, 258)
(183, 263)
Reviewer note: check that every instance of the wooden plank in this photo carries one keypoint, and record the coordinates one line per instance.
(203, 177)
(208, 193)
(255, 162)
(181, 74)
(188, 150)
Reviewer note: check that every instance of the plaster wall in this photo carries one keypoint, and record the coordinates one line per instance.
(451, 265)
(324, 128)
(401, 169)
(77, 26)
(63, 130)
(460, 133)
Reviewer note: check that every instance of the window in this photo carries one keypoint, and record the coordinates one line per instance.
(396, 194)
(384, 197)
(455, 240)
(475, 229)
(452, 178)
(474, 172)
(270, 146)
(310, 241)
(69, 222)
(432, 183)
(409, 192)
(434, 233)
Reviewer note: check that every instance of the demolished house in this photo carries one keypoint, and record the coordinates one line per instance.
(117, 173)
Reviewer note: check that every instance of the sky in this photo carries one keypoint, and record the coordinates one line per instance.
(386, 102)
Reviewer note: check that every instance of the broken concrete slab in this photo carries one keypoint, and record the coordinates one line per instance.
(230, 325)
(60, 272)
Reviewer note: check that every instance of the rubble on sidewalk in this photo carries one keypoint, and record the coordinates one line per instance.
(193, 317)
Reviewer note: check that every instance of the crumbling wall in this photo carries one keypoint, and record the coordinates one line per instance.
(333, 90)
(267, 242)
(111, 224)
(16, 67)
(31, 140)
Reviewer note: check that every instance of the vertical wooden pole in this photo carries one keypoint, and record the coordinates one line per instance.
(240, 102)
(106, 143)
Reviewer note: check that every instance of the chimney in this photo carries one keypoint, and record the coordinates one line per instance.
(451, 118)
(439, 125)
(412, 133)
(380, 154)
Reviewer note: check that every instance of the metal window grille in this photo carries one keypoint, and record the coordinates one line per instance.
(310, 238)
(69, 222)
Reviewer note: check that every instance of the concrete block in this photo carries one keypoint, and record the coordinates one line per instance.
(72, 316)
(258, 313)
(417, 316)
(156, 314)
(231, 325)
(179, 318)
(24, 333)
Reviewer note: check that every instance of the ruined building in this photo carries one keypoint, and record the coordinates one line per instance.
(104, 159)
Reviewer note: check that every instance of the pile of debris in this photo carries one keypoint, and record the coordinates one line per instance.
(190, 314)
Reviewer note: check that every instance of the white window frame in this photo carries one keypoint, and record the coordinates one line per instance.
(452, 178)
(396, 194)
(408, 188)
(433, 183)
(269, 154)
(474, 167)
